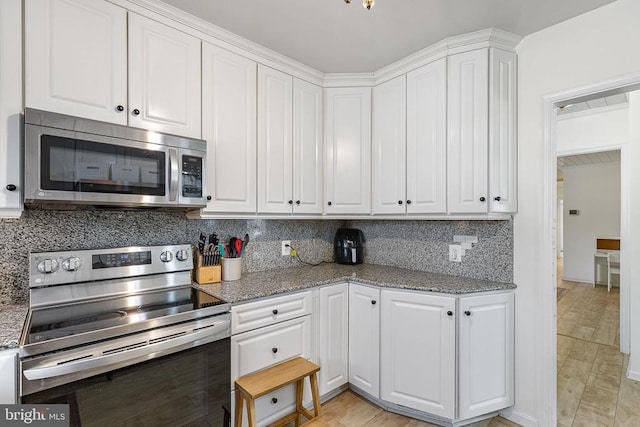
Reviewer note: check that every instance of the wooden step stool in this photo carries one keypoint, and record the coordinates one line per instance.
(253, 386)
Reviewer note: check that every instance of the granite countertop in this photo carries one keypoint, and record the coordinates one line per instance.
(267, 283)
(12, 319)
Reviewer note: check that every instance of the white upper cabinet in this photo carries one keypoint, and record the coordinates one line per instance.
(229, 127)
(503, 134)
(427, 139)
(486, 354)
(10, 109)
(164, 78)
(307, 147)
(275, 141)
(468, 136)
(76, 58)
(348, 150)
(388, 170)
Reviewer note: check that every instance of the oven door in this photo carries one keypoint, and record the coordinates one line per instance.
(188, 388)
(77, 167)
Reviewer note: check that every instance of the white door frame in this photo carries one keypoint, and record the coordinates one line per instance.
(547, 361)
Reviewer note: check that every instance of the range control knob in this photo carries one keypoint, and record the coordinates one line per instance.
(166, 256)
(182, 255)
(71, 264)
(48, 266)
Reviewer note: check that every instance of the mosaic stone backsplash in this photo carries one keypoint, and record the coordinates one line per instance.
(418, 245)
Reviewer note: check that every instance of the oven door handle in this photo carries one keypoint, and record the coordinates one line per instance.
(146, 352)
(173, 174)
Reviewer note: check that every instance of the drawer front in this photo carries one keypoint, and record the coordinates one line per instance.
(264, 347)
(253, 315)
(269, 407)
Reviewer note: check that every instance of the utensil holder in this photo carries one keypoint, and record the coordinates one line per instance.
(208, 274)
(231, 269)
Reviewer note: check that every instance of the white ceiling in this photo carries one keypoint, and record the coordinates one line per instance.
(586, 159)
(332, 36)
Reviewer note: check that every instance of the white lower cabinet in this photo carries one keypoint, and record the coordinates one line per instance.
(333, 345)
(9, 377)
(428, 365)
(364, 338)
(485, 354)
(271, 333)
(417, 353)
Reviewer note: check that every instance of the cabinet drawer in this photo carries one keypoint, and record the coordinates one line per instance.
(246, 317)
(269, 407)
(261, 348)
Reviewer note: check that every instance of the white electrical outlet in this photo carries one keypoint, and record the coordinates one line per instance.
(455, 253)
(286, 248)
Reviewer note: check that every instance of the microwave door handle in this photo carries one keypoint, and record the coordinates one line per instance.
(173, 174)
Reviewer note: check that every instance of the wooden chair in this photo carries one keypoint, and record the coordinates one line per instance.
(253, 386)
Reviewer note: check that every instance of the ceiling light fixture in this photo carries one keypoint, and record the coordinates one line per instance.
(367, 4)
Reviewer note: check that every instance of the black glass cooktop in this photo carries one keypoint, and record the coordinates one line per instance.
(57, 322)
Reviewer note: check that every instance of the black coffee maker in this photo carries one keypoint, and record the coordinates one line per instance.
(348, 246)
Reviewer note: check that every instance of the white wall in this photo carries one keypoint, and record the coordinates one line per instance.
(594, 190)
(590, 48)
(590, 131)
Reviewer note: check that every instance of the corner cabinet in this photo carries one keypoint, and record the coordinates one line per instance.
(10, 109)
(482, 132)
(229, 127)
(364, 338)
(445, 356)
(82, 69)
(348, 150)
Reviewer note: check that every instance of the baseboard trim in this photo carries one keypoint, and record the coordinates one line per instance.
(518, 417)
(633, 375)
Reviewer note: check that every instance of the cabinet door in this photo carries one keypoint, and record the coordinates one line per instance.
(164, 78)
(364, 338)
(468, 137)
(76, 58)
(334, 337)
(10, 109)
(275, 139)
(503, 134)
(9, 375)
(307, 147)
(348, 150)
(486, 354)
(229, 127)
(389, 147)
(418, 350)
(427, 139)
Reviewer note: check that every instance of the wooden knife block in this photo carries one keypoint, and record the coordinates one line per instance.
(210, 274)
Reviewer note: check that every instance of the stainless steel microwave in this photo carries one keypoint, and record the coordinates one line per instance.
(75, 161)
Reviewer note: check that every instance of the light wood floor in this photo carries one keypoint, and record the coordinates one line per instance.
(592, 388)
(350, 410)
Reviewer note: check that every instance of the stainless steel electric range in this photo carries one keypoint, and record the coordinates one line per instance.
(123, 338)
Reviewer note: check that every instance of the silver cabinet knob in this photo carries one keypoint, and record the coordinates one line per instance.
(71, 264)
(182, 255)
(48, 266)
(166, 256)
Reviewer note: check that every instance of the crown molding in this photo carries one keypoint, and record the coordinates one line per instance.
(348, 80)
(225, 39)
(490, 37)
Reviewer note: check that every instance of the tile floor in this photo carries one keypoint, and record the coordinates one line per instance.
(592, 388)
